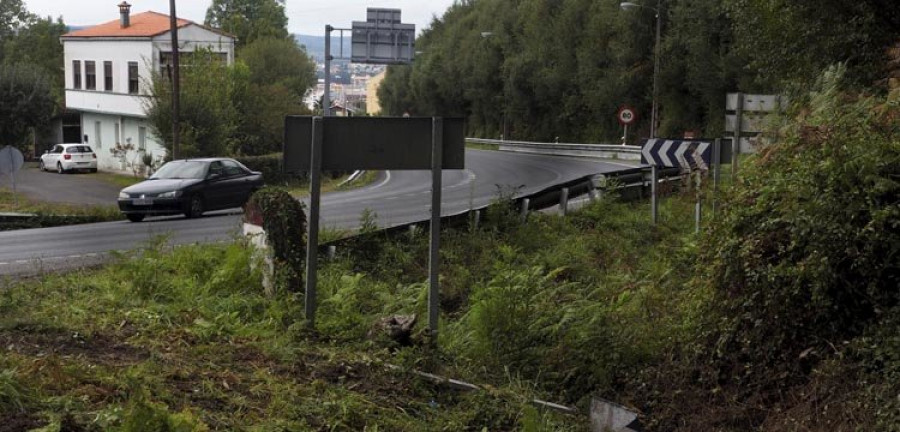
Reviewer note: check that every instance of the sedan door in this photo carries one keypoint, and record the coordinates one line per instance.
(240, 183)
(214, 187)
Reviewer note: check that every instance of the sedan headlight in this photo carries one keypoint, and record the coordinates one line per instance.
(173, 194)
(123, 195)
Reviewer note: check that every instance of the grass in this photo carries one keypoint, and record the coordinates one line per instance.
(120, 180)
(185, 337)
(329, 184)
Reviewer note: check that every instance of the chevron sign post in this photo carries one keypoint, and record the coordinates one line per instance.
(688, 155)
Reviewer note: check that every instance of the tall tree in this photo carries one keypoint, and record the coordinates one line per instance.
(13, 16)
(208, 118)
(793, 41)
(249, 19)
(27, 102)
(37, 43)
(280, 74)
(279, 61)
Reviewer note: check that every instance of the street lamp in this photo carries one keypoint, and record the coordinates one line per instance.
(654, 111)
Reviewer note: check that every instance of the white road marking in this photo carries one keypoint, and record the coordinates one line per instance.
(387, 178)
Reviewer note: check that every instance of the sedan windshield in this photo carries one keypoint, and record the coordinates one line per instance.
(181, 170)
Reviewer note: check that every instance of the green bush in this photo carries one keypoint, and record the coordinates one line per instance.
(804, 259)
(270, 167)
(284, 220)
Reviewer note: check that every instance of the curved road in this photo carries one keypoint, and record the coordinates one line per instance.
(399, 197)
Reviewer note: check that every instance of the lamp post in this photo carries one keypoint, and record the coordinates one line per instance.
(654, 111)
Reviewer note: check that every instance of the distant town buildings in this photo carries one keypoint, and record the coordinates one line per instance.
(350, 87)
(107, 75)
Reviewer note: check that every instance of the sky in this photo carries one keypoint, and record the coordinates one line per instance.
(304, 16)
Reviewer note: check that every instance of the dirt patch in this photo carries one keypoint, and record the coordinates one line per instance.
(17, 422)
(42, 341)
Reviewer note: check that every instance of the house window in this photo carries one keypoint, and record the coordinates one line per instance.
(98, 140)
(76, 74)
(107, 76)
(90, 75)
(142, 139)
(133, 78)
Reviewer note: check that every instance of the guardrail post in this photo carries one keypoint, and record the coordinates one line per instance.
(332, 251)
(476, 219)
(564, 201)
(524, 212)
(592, 194)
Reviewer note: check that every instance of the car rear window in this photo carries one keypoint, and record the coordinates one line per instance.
(79, 149)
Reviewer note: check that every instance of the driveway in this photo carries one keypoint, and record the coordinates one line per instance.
(77, 188)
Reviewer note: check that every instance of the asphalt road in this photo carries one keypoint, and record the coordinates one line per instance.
(74, 188)
(399, 197)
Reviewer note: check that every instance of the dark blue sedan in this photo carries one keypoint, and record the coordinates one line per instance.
(190, 187)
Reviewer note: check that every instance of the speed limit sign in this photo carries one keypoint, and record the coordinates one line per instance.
(626, 115)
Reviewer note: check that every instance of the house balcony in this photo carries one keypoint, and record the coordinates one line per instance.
(106, 102)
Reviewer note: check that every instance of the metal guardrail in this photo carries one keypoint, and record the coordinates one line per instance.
(631, 184)
(605, 151)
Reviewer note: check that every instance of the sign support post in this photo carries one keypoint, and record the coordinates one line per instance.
(736, 142)
(312, 237)
(698, 209)
(434, 284)
(717, 169)
(654, 198)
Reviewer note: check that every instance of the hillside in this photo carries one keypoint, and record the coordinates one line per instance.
(315, 45)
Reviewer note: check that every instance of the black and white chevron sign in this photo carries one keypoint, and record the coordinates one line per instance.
(688, 155)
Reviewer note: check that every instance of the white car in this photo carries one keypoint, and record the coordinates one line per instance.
(68, 157)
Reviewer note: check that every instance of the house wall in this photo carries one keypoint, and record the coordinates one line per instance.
(193, 37)
(119, 101)
(122, 152)
(102, 112)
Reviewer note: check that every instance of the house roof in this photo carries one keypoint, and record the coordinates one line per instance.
(144, 24)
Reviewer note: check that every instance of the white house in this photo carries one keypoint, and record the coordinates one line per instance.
(108, 70)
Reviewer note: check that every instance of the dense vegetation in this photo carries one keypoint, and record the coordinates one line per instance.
(541, 69)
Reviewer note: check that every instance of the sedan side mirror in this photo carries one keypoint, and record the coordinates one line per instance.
(213, 176)
(46, 151)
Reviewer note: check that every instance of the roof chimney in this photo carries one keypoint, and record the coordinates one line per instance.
(125, 13)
